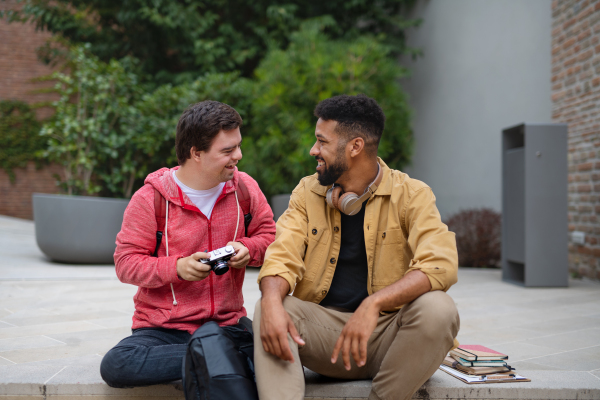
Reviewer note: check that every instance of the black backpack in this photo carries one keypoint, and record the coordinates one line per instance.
(219, 363)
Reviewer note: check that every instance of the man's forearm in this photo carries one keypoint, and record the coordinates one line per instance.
(407, 289)
(274, 287)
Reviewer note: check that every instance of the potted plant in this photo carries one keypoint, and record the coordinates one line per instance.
(91, 136)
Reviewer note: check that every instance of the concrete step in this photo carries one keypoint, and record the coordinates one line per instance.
(76, 381)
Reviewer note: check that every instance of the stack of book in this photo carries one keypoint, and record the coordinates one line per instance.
(479, 364)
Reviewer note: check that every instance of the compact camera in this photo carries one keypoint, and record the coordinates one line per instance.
(218, 259)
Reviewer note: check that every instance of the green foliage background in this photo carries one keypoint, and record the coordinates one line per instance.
(142, 63)
(19, 138)
(290, 83)
(176, 41)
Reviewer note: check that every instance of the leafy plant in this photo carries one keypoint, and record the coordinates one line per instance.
(109, 130)
(86, 134)
(177, 41)
(290, 83)
(478, 237)
(19, 135)
(108, 135)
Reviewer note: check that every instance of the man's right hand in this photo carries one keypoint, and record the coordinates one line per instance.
(275, 323)
(191, 269)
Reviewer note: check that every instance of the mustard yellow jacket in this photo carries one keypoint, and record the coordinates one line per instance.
(403, 232)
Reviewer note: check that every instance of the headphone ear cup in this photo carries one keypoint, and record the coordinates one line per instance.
(328, 197)
(335, 195)
(344, 200)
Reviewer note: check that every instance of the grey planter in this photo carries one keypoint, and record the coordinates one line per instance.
(77, 229)
(279, 203)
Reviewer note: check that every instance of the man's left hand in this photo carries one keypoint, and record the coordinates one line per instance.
(242, 255)
(356, 334)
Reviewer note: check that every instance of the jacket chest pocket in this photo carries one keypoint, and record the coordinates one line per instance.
(389, 258)
(316, 251)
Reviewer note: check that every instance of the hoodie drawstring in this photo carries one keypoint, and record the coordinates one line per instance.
(237, 225)
(237, 221)
(167, 245)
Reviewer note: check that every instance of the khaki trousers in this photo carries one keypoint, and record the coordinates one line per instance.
(405, 349)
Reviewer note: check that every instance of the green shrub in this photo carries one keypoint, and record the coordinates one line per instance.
(87, 135)
(19, 136)
(290, 83)
(177, 40)
(109, 134)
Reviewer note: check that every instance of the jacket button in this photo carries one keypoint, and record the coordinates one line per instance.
(383, 236)
(314, 231)
(332, 260)
(324, 292)
(336, 229)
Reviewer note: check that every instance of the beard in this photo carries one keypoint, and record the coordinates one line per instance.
(331, 173)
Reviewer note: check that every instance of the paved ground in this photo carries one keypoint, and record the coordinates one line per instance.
(56, 322)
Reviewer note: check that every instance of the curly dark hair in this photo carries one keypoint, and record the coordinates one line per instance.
(200, 123)
(357, 116)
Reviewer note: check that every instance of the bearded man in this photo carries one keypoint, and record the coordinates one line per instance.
(367, 259)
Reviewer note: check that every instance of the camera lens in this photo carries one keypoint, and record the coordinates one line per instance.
(220, 267)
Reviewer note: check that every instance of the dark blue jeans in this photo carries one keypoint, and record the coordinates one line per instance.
(147, 357)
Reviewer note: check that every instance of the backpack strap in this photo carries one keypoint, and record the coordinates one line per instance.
(244, 198)
(160, 212)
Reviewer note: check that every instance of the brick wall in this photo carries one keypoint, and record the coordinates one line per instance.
(576, 101)
(19, 63)
(18, 66)
(16, 197)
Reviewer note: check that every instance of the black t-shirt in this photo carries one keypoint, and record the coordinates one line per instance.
(349, 285)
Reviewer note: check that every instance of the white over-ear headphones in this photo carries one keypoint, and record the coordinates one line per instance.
(350, 203)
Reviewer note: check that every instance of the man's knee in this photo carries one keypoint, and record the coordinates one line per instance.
(256, 318)
(435, 312)
(115, 366)
(295, 307)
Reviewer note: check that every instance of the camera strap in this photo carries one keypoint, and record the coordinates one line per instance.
(160, 212)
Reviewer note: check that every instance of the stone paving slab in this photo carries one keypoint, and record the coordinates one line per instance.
(57, 321)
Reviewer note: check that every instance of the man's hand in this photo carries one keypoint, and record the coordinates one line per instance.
(242, 256)
(275, 323)
(356, 334)
(191, 269)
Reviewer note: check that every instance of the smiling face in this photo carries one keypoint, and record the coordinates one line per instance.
(330, 152)
(218, 163)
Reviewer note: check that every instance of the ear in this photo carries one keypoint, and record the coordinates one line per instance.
(195, 154)
(356, 145)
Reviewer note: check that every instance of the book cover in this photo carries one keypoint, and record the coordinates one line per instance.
(451, 362)
(497, 378)
(475, 352)
(486, 363)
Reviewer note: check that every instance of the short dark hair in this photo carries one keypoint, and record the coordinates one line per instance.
(200, 123)
(356, 116)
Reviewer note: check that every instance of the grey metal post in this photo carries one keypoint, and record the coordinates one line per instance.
(534, 205)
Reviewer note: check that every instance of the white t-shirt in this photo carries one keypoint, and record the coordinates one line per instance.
(203, 199)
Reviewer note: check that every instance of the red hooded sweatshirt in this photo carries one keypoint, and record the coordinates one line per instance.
(164, 300)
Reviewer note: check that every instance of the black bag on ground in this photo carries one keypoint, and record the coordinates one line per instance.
(219, 363)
